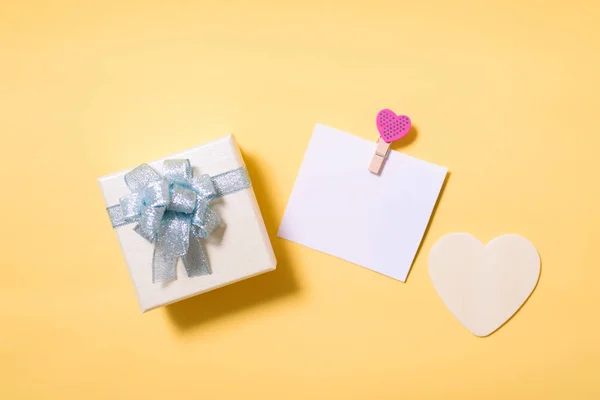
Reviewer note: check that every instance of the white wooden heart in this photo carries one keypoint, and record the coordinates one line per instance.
(483, 286)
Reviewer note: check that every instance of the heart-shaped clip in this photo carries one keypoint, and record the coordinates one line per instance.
(391, 127)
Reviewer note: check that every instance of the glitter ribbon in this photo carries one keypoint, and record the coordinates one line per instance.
(173, 212)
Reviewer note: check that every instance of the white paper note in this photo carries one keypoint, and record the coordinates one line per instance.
(338, 207)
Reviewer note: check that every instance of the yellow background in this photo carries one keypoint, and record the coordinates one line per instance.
(503, 93)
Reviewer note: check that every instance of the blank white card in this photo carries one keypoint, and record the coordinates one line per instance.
(338, 207)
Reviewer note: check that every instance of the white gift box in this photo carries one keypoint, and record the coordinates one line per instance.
(238, 249)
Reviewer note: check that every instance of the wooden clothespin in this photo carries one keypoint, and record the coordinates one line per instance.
(391, 127)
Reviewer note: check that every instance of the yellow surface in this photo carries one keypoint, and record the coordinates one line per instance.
(504, 93)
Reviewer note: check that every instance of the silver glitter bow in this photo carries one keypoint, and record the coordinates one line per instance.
(173, 212)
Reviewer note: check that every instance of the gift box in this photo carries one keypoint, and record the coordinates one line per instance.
(188, 223)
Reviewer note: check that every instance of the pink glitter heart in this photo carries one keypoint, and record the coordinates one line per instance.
(391, 126)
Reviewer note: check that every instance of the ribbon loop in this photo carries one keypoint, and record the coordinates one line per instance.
(131, 206)
(182, 199)
(205, 219)
(200, 212)
(178, 171)
(156, 194)
(205, 188)
(140, 177)
(150, 222)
